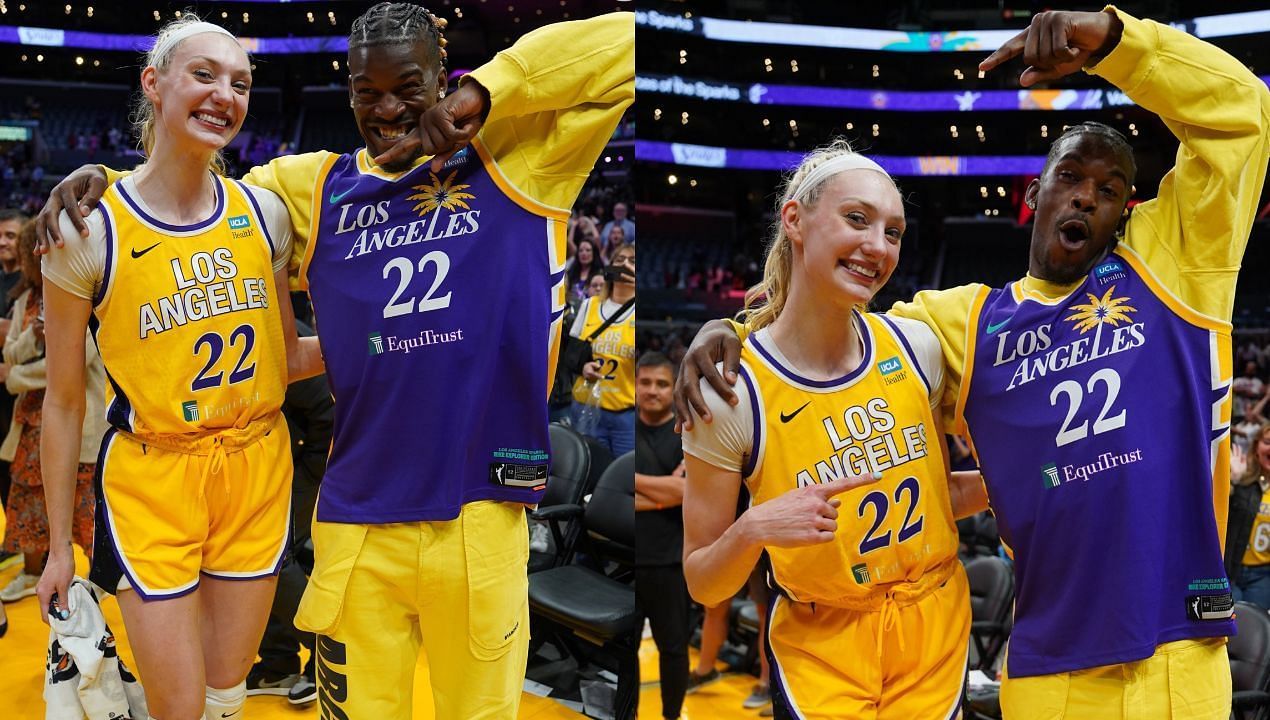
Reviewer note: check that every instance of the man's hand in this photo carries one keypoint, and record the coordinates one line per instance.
(77, 193)
(715, 342)
(1058, 44)
(806, 516)
(444, 129)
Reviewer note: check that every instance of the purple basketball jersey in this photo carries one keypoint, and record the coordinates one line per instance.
(1096, 420)
(433, 295)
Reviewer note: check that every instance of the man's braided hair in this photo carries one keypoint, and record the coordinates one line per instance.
(389, 23)
(1112, 136)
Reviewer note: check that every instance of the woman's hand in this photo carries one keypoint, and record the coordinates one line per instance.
(806, 516)
(55, 583)
(591, 371)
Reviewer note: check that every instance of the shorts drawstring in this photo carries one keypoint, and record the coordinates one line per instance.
(215, 464)
(889, 620)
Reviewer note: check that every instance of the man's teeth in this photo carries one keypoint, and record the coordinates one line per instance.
(862, 270)
(222, 122)
(392, 133)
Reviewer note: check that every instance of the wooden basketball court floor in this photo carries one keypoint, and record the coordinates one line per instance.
(22, 653)
(720, 700)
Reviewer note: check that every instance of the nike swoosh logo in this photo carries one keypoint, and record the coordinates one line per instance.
(336, 198)
(786, 418)
(992, 329)
(138, 253)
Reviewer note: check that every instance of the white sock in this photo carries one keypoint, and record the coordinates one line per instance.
(227, 703)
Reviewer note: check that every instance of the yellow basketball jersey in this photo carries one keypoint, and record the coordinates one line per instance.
(615, 350)
(877, 418)
(185, 318)
(1258, 552)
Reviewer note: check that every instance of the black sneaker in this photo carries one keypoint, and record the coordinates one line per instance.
(696, 682)
(265, 682)
(304, 691)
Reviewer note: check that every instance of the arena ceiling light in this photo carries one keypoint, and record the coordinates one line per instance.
(771, 33)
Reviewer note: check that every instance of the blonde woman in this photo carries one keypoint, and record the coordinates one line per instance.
(836, 441)
(182, 279)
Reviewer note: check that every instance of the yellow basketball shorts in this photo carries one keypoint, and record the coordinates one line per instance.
(1183, 680)
(171, 509)
(900, 663)
(456, 588)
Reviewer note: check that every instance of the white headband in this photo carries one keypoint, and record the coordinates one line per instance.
(166, 43)
(841, 163)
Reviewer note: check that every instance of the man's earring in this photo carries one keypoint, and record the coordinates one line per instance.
(440, 94)
(1031, 204)
(350, 103)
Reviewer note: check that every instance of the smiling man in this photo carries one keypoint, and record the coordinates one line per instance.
(1096, 390)
(434, 258)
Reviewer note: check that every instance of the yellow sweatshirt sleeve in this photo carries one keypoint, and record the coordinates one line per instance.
(294, 179)
(947, 313)
(556, 96)
(1194, 233)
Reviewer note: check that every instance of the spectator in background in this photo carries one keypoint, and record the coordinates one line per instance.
(23, 373)
(596, 286)
(660, 590)
(613, 366)
(1248, 389)
(11, 222)
(620, 220)
(1248, 530)
(614, 240)
(584, 265)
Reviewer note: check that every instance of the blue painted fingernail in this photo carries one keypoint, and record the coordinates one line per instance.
(877, 475)
(63, 614)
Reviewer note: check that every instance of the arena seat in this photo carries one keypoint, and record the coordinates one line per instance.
(991, 582)
(598, 607)
(1250, 663)
(567, 482)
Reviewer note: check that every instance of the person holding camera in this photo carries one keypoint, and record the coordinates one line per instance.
(606, 387)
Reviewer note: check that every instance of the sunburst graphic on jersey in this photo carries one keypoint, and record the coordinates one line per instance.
(440, 195)
(1101, 310)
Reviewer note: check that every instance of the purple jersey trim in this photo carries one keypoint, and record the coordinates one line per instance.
(110, 254)
(260, 217)
(757, 436)
(201, 225)
(867, 356)
(908, 349)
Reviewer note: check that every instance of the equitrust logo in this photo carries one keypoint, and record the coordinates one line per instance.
(860, 573)
(376, 342)
(189, 409)
(1049, 473)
